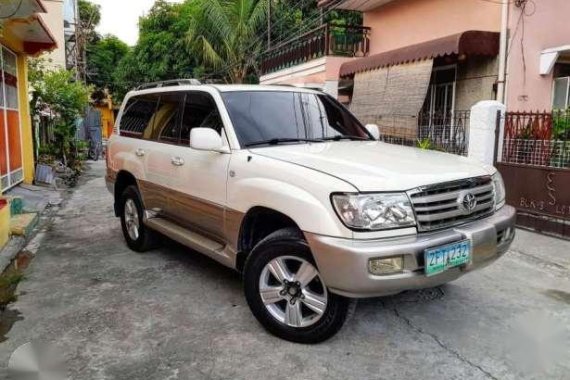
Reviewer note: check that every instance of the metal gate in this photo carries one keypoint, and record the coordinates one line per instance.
(535, 165)
(11, 171)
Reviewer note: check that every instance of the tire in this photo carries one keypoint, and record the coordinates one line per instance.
(285, 313)
(139, 238)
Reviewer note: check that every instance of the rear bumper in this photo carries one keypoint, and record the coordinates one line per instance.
(343, 263)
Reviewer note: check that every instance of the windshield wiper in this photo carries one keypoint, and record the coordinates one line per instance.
(281, 141)
(340, 137)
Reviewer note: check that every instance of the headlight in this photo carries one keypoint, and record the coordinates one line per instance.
(500, 191)
(374, 211)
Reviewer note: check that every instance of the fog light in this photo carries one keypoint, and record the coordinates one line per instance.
(509, 234)
(386, 266)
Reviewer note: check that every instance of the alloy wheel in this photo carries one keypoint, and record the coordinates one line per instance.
(132, 219)
(293, 291)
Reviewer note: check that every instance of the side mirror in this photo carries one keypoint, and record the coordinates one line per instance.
(374, 130)
(206, 139)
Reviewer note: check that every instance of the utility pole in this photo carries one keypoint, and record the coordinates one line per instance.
(268, 24)
(77, 50)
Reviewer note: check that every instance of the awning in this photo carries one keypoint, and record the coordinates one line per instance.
(549, 57)
(467, 43)
(18, 9)
(34, 33)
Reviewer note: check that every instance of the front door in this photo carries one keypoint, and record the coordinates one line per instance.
(197, 180)
(11, 168)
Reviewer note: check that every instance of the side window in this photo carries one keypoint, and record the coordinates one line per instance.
(137, 116)
(166, 126)
(200, 111)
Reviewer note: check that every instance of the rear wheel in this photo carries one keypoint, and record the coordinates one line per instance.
(138, 237)
(286, 292)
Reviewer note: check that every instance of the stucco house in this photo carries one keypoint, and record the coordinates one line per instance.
(425, 63)
(23, 33)
(538, 71)
(416, 67)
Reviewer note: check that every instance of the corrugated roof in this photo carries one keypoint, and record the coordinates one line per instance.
(466, 43)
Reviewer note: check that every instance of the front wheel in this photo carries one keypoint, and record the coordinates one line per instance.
(287, 294)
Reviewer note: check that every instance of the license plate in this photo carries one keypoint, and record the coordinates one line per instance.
(440, 259)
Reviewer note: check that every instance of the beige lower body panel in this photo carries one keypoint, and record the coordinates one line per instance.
(209, 228)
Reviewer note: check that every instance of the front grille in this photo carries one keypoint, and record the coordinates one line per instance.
(437, 206)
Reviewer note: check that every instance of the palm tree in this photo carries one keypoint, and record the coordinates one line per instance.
(228, 36)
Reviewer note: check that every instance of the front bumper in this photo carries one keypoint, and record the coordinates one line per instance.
(343, 263)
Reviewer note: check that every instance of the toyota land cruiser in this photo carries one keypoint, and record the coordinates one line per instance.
(286, 186)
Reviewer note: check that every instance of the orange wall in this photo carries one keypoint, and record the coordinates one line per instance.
(407, 22)
(546, 25)
(14, 140)
(3, 146)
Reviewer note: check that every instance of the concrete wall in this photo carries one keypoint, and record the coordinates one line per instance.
(54, 22)
(407, 22)
(320, 73)
(546, 25)
(475, 79)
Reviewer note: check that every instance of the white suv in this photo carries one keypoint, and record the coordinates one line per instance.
(286, 186)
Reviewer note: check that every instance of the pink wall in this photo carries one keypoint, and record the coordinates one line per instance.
(546, 25)
(330, 72)
(407, 22)
(333, 66)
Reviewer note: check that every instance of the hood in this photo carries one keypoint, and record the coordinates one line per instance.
(378, 166)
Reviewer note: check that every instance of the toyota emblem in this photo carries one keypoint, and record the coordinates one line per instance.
(467, 202)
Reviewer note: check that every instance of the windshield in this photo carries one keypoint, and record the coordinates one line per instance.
(272, 117)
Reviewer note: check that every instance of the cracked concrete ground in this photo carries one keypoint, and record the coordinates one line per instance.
(173, 314)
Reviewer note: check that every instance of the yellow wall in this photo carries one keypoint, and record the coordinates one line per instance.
(26, 120)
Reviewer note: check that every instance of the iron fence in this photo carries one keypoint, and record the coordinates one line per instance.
(446, 132)
(537, 139)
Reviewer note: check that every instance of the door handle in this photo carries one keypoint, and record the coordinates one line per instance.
(177, 161)
(140, 152)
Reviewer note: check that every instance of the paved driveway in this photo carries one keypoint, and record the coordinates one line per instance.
(172, 314)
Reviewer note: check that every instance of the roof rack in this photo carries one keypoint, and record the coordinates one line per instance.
(169, 83)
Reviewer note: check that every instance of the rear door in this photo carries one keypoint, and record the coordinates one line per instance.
(161, 173)
(136, 125)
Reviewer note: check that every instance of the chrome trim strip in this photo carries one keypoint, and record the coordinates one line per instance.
(436, 207)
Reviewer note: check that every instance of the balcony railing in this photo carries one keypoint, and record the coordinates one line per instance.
(326, 40)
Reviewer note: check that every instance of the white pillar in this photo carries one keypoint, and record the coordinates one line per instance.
(483, 122)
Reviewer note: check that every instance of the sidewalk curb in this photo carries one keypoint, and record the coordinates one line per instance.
(10, 251)
(17, 244)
